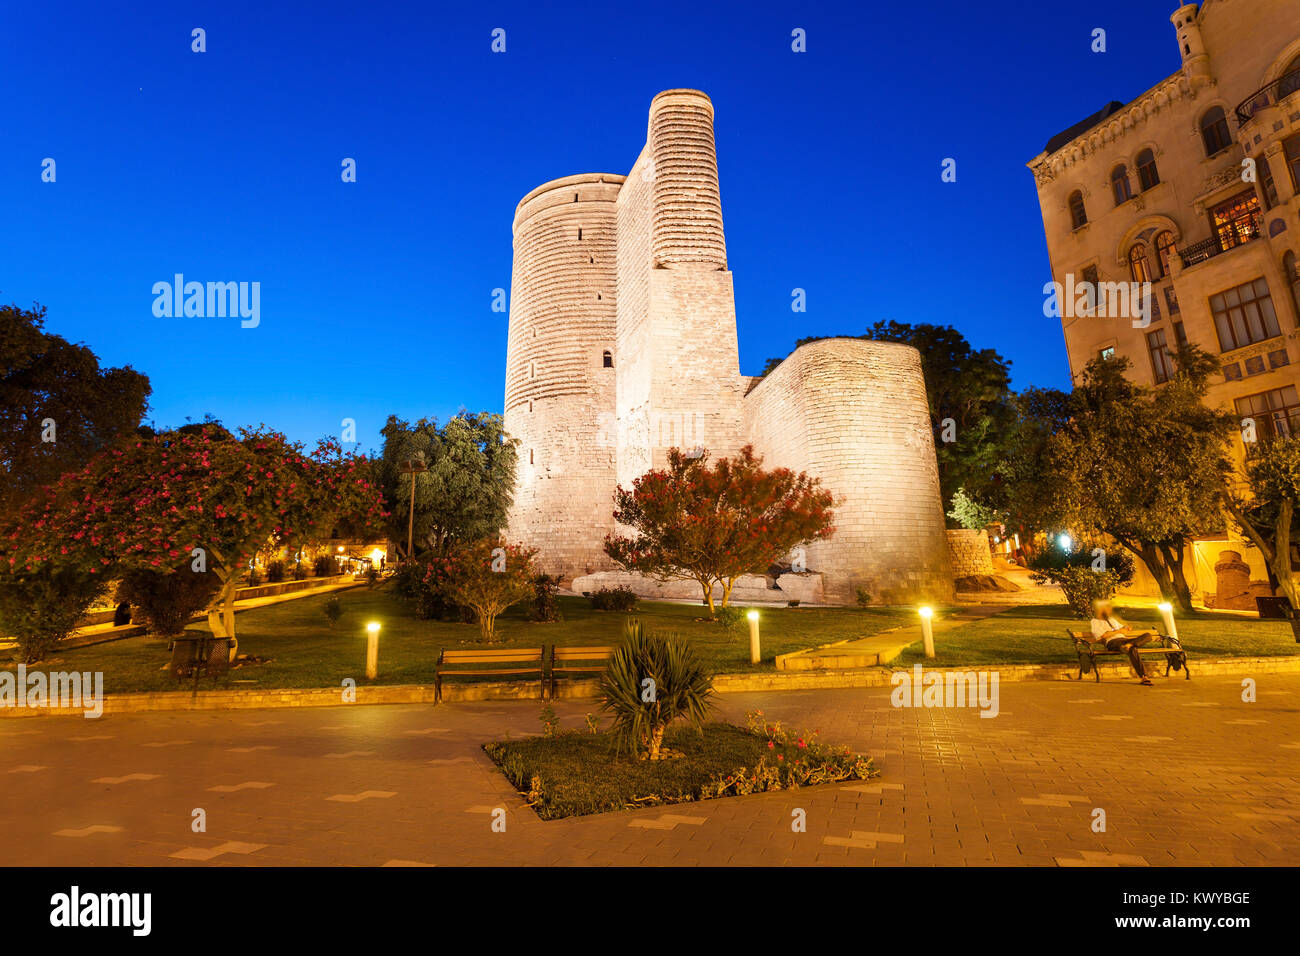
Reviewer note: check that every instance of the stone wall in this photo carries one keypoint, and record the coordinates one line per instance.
(853, 413)
(969, 552)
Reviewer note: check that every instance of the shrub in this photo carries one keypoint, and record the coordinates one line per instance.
(1082, 583)
(487, 577)
(275, 572)
(614, 599)
(253, 578)
(324, 566)
(333, 609)
(40, 608)
(168, 601)
(299, 571)
(864, 597)
(546, 603)
(651, 680)
(728, 617)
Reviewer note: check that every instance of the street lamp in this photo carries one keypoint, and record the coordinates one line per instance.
(372, 650)
(927, 630)
(412, 467)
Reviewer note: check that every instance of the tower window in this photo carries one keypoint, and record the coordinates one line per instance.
(609, 359)
(532, 370)
(579, 233)
(530, 456)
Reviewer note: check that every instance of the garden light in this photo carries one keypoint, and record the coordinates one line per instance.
(754, 653)
(927, 629)
(1066, 542)
(1167, 615)
(372, 650)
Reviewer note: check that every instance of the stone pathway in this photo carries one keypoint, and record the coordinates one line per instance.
(1185, 772)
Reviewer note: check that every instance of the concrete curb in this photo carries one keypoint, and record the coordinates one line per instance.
(587, 689)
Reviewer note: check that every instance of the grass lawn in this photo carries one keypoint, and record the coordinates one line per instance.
(306, 652)
(1035, 634)
(576, 773)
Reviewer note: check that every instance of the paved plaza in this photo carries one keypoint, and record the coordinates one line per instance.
(1186, 772)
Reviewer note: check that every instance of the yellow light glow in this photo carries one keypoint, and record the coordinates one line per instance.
(376, 555)
(373, 627)
(752, 615)
(340, 549)
(1166, 607)
(925, 612)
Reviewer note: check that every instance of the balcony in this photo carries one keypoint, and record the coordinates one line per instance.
(1205, 251)
(1274, 93)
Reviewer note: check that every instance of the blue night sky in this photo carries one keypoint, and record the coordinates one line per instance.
(375, 296)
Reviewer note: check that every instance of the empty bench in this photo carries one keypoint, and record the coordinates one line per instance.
(1169, 648)
(570, 661)
(487, 662)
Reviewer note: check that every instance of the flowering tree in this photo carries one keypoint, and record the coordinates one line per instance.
(486, 576)
(711, 524)
(188, 502)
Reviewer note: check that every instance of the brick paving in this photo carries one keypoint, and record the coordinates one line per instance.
(1186, 773)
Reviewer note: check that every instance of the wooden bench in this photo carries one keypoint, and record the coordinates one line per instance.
(577, 660)
(487, 661)
(1088, 652)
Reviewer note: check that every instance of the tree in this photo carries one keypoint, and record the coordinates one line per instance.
(487, 576)
(651, 680)
(168, 599)
(969, 393)
(467, 489)
(42, 606)
(971, 514)
(187, 502)
(1144, 466)
(57, 406)
(713, 524)
(1266, 513)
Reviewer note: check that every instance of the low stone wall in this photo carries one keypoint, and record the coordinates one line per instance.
(749, 589)
(969, 552)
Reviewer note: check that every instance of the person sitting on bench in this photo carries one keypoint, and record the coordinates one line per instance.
(1117, 636)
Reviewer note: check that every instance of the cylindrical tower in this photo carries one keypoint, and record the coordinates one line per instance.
(560, 365)
(687, 225)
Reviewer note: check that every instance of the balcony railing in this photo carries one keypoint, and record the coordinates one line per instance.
(1204, 251)
(1275, 92)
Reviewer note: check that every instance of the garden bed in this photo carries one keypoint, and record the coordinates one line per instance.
(574, 773)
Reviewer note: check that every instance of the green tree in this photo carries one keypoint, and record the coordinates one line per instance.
(1265, 505)
(1145, 466)
(487, 577)
(58, 407)
(969, 392)
(467, 489)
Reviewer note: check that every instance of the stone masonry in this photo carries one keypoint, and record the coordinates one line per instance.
(623, 345)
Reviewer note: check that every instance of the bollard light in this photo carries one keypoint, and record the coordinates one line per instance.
(372, 650)
(927, 630)
(754, 653)
(1167, 615)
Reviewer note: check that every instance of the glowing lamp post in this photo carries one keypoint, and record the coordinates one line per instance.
(1167, 615)
(754, 653)
(927, 630)
(372, 650)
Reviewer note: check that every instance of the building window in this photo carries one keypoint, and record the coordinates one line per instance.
(1237, 221)
(1214, 131)
(1255, 365)
(609, 359)
(1232, 372)
(1290, 81)
(1291, 152)
(1164, 248)
(1180, 335)
(1267, 186)
(1275, 413)
(1107, 353)
(1243, 315)
(1119, 184)
(1278, 358)
(1148, 175)
(1137, 263)
(1078, 212)
(1162, 360)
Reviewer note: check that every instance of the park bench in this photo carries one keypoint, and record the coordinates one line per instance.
(487, 662)
(1088, 652)
(577, 660)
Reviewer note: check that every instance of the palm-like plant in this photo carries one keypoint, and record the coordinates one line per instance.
(651, 680)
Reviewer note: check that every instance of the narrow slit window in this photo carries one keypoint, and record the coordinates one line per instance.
(609, 359)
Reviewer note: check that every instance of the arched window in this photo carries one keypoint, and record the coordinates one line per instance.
(1137, 263)
(1290, 81)
(1148, 175)
(1164, 248)
(1078, 214)
(1291, 273)
(1119, 184)
(609, 359)
(1214, 131)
